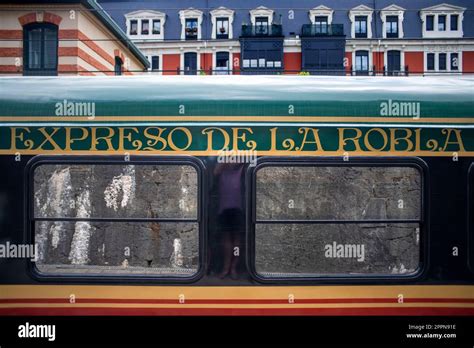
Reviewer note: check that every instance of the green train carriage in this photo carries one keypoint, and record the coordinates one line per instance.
(237, 195)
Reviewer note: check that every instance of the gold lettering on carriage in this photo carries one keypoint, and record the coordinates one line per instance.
(210, 140)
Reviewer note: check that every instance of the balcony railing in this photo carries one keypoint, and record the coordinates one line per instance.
(315, 30)
(270, 30)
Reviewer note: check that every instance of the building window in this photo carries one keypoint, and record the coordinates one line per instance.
(145, 27)
(156, 27)
(454, 61)
(391, 26)
(441, 22)
(133, 27)
(222, 28)
(343, 220)
(40, 53)
(321, 24)
(442, 61)
(454, 22)
(155, 63)
(222, 63)
(119, 220)
(118, 66)
(430, 23)
(430, 61)
(261, 25)
(362, 62)
(191, 29)
(360, 26)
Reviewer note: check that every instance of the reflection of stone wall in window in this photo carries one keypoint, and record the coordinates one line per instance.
(116, 191)
(350, 198)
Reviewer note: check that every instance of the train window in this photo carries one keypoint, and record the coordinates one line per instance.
(115, 219)
(338, 220)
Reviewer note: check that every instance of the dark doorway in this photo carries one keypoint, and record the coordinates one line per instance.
(393, 63)
(190, 63)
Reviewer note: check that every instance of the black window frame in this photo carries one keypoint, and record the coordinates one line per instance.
(133, 22)
(430, 62)
(443, 22)
(361, 34)
(143, 21)
(389, 24)
(192, 36)
(218, 34)
(262, 26)
(453, 22)
(42, 71)
(153, 26)
(360, 53)
(444, 66)
(321, 24)
(155, 59)
(201, 217)
(424, 220)
(430, 22)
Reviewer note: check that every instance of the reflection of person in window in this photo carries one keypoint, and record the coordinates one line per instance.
(230, 216)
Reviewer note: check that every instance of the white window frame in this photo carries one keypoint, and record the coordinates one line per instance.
(322, 11)
(198, 59)
(261, 11)
(448, 61)
(361, 10)
(231, 59)
(149, 15)
(392, 10)
(436, 11)
(222, 12)
(370, 60)
(402, 57)
(190, 13)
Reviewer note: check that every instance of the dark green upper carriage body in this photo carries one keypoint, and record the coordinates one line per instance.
(367, 163)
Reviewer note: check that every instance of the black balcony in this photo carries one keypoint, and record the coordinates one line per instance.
(317, 30)
(273, 30)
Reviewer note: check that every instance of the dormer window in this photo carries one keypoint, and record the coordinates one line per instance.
(392, 22)
(360, 26)
(222, 19)
(191, 29)
(321, 24)
(133, 27)
(156, 27)
(361, 22)
(442, 21)
(191, 20)
(145, 24)
(391, 26)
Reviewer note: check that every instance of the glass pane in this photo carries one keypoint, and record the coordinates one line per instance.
(338, 193)
(34, 48)
(113, 248)
(50, 48)
(115, 191)
(331, 249)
